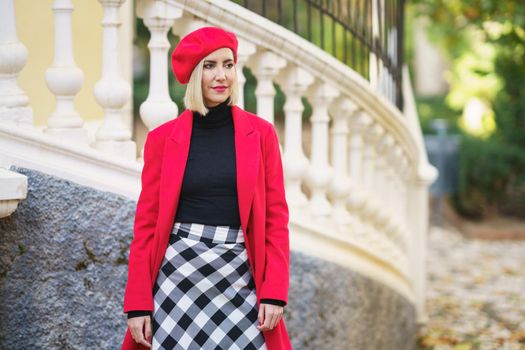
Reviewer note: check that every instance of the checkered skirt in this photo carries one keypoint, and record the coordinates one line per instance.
(204, 295)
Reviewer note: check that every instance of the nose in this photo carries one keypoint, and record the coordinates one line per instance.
(221, 74)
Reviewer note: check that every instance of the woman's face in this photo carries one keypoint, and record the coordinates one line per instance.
(218, 75)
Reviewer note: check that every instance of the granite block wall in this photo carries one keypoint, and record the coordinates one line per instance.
(63, 269)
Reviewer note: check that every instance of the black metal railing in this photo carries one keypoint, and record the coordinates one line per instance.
(353, 31)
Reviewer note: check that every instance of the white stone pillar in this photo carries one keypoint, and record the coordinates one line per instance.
(187, 24)
(111, 91)
(397, 177)
(265, 66)
(320, 173)
(382, 144)
(372, 137)
(13, 57)
(357, 197)
(405, 175)
(244, 52)
(418, 226)
(371, 207)
(395, 229)
(294, 81)
(383, 148)
(65, 79)
(13, 189)
(340, 186)
(158, 17)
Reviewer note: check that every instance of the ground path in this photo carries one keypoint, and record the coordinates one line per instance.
(475, 293)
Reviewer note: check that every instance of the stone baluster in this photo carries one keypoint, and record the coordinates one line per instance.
(294, 81)
(406, 172)
(187, 24)
(371, 207)
(390, 199)
(265, 66)
(372, 137)
(383, 144)
(65, 79)
(111, 91)
(397, 229)
(320, 173)
(357, 197)
(13, 101)
(244, 51)
(158, 17)
(417, 200)
(397, 156)
(341, 110)
(383, 148)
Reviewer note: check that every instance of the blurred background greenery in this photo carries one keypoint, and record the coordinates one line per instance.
(484, 43)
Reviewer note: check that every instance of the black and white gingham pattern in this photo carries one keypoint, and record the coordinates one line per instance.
(204, 295)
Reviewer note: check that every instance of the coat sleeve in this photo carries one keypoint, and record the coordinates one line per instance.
(277, 270)
(138, 294)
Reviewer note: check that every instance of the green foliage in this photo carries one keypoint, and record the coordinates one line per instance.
(485, 40)
(432, 107)
(509, 104)
(487, 171)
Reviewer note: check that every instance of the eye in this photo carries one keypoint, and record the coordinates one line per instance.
(208, 65)
(229, 65)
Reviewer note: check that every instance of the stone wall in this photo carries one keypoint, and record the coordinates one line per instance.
(63, 269)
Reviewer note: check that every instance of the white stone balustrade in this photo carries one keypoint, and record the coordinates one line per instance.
(158, 18)
(320, 172)
(339, 189)
(244, 52)
(111, 91)
(356, 199)
(65, 79)
(13, 189)
(13, 57)
(265, 65)
(371, 207)
(294, 82)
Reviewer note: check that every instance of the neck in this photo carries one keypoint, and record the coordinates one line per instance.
(217, 116)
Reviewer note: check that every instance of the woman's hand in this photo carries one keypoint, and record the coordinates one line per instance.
(269, 316)
(140, 328)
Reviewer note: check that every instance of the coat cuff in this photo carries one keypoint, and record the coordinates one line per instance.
(138, 313)
(274, 302)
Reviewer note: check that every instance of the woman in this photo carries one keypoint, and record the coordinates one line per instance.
(209, 261)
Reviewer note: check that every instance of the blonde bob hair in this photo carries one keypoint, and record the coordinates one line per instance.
(193, 98)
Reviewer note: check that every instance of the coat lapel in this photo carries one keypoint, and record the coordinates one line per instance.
(175, 157)
(247, 153)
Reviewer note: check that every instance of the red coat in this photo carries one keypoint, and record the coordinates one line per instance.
(262, 207)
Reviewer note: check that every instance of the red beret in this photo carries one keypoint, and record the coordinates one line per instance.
(195, 46)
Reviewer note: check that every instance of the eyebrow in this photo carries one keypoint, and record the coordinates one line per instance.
(212, 61)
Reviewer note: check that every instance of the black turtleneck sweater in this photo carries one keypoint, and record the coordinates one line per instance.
(209, 188)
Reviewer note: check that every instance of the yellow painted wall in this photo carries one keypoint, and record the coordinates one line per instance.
(35, 29)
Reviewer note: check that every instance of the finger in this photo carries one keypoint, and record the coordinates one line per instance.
(260, 316)
(268, 313)
(144, 342)
(277, 316)
(262, 328)
(147, 330)
(135, 328)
